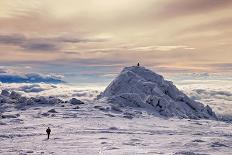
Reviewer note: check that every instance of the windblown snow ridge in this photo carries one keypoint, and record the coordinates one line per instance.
(141, 88)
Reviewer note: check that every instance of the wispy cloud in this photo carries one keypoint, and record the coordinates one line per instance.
(71, 39)
(13, 39)
(219, 67)
(2, 71)
(161, 48)
(181, 8)
(37, 46)
(44, 43)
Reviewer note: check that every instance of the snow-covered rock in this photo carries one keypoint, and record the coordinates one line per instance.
(142, 88)
(5, 93)
(75, 101)
(14, 95)
(22, 99)
(54, 101)
(10, 99)
(10, 115)
(52, 111)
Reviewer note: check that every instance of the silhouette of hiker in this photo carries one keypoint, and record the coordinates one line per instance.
(138, 64)
(48, 132)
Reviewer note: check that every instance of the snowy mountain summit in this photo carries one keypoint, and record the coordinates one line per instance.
(139, 87)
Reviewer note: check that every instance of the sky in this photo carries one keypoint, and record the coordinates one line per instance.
(90, 41)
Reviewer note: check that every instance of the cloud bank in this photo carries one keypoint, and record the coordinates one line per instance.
(216, 93)
(44, 43)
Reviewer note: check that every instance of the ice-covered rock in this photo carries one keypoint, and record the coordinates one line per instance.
(45, 114)
(3, 99)
(75, 101)
(9, 100)
(10, 115)
(77, 107)
(22, 99)
(14, 95)
(142, 88)
(54, 101)
(14, 98)
(52, 111)
(5, 93)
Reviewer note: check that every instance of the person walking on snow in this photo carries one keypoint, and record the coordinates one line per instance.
(48, 132)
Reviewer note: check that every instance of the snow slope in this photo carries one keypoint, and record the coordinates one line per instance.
(92, 130)
(97, 127)
(141, 88)
(118, 123)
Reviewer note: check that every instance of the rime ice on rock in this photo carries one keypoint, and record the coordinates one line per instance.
(5, 93)
(139, 87)
(75, 101)
(15, 99)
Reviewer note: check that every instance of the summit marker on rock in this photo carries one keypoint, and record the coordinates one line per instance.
(142, 88)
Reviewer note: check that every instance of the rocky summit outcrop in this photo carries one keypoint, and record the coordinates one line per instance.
(142, 88)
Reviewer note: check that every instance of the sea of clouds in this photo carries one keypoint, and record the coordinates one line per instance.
(212, 90)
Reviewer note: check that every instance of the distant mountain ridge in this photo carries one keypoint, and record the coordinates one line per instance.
(29, 78)
(142, 88)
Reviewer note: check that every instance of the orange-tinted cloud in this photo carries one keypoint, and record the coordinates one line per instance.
(163, 34)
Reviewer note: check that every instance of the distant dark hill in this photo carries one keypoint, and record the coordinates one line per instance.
(28, 78)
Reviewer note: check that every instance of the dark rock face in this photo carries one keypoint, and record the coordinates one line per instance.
(75, 101)
(52, 111)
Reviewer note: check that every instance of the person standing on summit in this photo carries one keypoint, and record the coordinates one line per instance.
(138, 64)
(48, 132)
